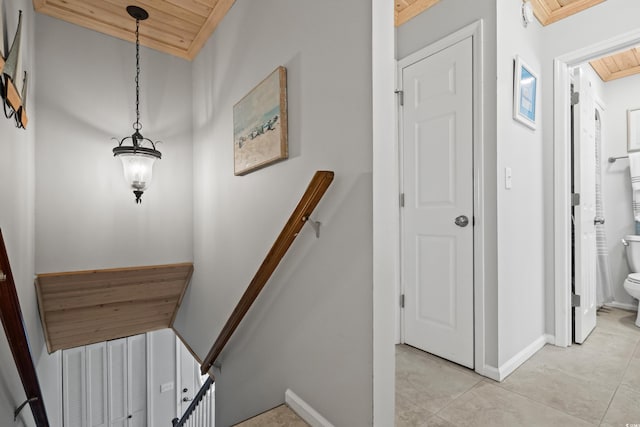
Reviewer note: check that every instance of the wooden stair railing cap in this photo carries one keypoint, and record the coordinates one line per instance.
(316, 189)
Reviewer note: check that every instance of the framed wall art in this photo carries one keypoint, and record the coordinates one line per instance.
(260, 125)
(633, 130)
(525, 90)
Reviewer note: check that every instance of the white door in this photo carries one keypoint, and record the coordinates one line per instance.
(437, 218)
(118, 396)
(189, 377)
(127, 381)
(584, 170)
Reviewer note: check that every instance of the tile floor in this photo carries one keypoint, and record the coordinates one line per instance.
(282, 416)
(594, 384)
(597, 383)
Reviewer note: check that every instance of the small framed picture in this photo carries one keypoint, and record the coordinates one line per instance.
(633, 130)
(525, 91)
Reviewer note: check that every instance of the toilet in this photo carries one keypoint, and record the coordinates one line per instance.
(632, 284)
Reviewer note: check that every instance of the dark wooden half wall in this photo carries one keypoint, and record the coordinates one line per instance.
(85, 307)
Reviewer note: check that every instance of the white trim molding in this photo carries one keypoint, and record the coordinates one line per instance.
(514, 363)
(305, 411)
(621, 305)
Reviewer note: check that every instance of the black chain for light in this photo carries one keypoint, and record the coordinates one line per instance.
(137, 125)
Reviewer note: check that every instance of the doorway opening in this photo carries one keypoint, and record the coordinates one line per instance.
(567, 207)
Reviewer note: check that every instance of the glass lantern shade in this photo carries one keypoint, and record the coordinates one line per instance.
(137, 164)
(138, 170)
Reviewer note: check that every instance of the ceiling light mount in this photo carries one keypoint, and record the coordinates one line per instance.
(137, 160)
(137, 13)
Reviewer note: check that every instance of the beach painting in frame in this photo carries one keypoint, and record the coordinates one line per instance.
(260, 125)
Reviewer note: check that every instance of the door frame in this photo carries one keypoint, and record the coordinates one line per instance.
(475, 31)
(562, 173)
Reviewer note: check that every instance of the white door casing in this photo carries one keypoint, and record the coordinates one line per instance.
(584, 154)
(437, 182)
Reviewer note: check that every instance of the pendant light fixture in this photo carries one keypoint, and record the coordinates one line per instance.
(137, 158)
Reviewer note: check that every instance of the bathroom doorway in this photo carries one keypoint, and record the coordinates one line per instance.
(566, 316)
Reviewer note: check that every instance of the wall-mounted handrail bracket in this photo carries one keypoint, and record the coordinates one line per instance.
(3, 277)
(19, 408)
(315, 224)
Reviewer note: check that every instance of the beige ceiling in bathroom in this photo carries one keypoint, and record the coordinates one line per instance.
(619, 65)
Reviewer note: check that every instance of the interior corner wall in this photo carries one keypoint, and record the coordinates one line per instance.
(86, 215)
(619, 96)
(604, 21)
(311, 329)
(520, 212)
(435, 23)
(17, 211)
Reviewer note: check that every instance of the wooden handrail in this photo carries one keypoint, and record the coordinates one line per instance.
(14, 328)
(317, 187)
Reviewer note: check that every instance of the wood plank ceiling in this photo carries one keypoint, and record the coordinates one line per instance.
(407, 9)
(550, 11)
(86, 307)
(619, 65)
(176, 27)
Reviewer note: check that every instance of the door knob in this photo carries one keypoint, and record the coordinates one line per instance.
(462, 221)
(598, 220)
(187, 399)
(130, 416)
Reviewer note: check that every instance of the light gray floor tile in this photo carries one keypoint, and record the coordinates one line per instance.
(619, 321)
(556, 388)
(282, 416)
(488, 405)
(632, 374)
(624, 409)
(428, 383)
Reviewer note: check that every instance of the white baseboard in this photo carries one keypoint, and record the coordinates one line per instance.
(489, 372)
(615, 304)
(304, 411)
(512, 364)
(551, 339)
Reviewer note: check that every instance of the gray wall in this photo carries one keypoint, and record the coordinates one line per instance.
(520, 209)
(311, 330)
(16, 212)
(437, 22)
(86, 216)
